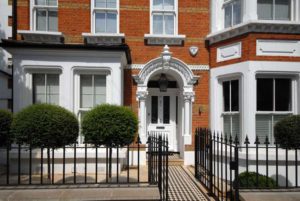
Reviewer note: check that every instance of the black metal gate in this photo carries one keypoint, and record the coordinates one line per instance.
(216, 164)
(158, 153)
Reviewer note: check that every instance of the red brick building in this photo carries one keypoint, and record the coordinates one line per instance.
(81, 53)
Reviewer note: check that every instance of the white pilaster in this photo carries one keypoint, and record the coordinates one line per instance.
(188, 98)
(141, 97)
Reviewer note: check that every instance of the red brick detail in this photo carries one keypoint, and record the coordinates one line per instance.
(249, 49)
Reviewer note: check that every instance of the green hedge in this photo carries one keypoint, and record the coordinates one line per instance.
(109, 125)
(5, 124)
(251, 178)
(287, 132)
(44, 125)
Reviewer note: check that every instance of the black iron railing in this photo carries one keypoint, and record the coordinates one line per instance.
(76, 164)
(158, 153)
(225, 166)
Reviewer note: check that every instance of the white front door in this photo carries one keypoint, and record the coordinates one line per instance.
(162, 114)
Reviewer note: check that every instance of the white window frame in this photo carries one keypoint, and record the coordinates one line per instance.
(46, 81)
(293, 11)
(77, 101)
(232, 113)
(175, 12)
(93, 15)
(33, 9)
(230, 3)
(273, 113)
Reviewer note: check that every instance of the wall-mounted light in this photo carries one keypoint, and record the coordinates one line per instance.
(163, 83)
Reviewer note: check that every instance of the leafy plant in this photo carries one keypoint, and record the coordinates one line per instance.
(109, 125)
(248, 180)
(5, 124)
(287, 132)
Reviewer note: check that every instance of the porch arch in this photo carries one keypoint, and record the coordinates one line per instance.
(186, 80)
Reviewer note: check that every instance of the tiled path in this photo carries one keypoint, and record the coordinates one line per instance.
(182, 187)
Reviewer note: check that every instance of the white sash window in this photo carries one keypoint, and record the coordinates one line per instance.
(232, 13)
(105, 16)
(274, 102)
(45, 88)
(163, 17)
(231, 114)
(274, 9)
(45, 15)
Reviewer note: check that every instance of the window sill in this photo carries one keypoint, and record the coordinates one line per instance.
(153, 39)
(41, 36)
(103, 38)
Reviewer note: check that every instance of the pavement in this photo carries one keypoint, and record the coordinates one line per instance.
(270, 196)
(76, 194)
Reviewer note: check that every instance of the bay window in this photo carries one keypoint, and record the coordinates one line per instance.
(105, 16)
(274, 102)
(45, 88)
(232, 13)
(45, 15)
(163, 17)
(274, 9)
(231, 114)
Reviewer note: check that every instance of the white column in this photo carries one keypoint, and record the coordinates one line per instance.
(188, 98)
(213, 16)
(249, 10)
(141, 97)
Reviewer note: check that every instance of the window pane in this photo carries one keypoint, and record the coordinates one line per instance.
(86, 91)
(264, 127)
(52, 2)
(53, 99)
(237, 18)
(39, 89)
(226, 95)
(235, 95)
(282, 9)
(40, 2)
(228, 16)
(265, 9)
(111, 3)
(169, 5)
(166, 110)
(226, 125)
(157, 4)
(41, 20)
(169, 24)
(100, 99)
(100, 3)
(100, 84)
(283, 95)
(264, 95)
(111, 23)
(100, 22)
(53, 21)
(157, 24)
(235, 126)
(154, 109)
(53, 84)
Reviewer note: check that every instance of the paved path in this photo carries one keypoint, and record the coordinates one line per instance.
(182, 187)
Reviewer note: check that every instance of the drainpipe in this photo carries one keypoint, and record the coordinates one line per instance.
(14, 37)
(15, 20)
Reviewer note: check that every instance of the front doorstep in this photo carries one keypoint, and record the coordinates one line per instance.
(81, 192)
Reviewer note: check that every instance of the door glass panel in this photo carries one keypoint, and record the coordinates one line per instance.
(166, 110)
(154, 109)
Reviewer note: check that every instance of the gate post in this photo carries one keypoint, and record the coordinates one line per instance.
(150, 160)
(160, 163)
(210, 139)
(196, 153)
(236, 170)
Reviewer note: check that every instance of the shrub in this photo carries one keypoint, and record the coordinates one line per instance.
(44, 125)
(287, 132)
(109, 125)
(251, 178)
(5, 123)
